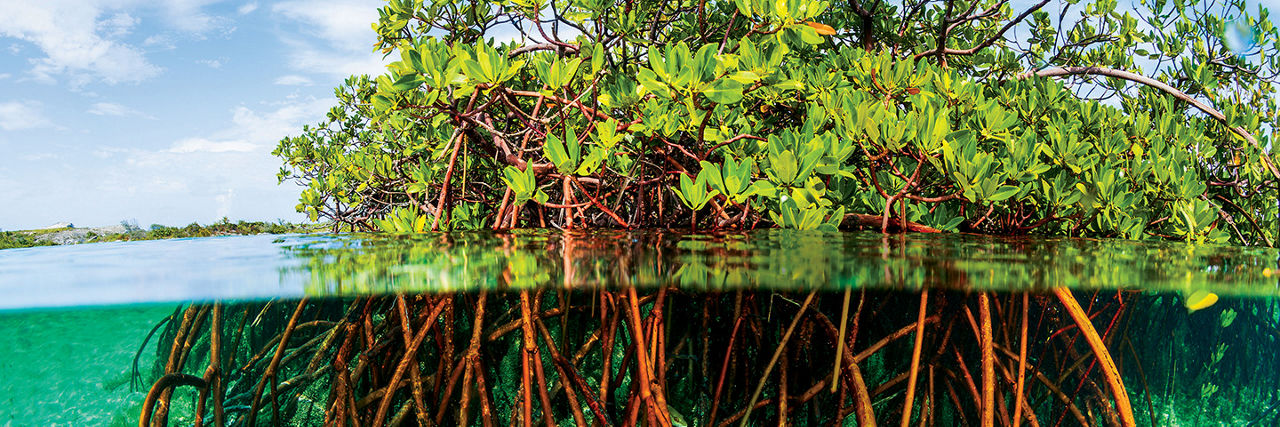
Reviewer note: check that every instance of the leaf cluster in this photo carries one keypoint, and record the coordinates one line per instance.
(803, 114)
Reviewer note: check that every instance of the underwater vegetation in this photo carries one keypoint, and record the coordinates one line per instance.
(667, 356)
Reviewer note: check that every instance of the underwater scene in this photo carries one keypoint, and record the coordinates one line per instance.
(629, 328)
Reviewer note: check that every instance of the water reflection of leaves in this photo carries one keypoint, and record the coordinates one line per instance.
(777, 259)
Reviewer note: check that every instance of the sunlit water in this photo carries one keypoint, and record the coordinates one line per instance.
(256, 267)
(72, 318)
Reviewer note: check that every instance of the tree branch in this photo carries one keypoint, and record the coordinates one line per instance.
(1161, 86)
(999, 35)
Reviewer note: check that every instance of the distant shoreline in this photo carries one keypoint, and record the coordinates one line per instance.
(73, 235)
(128, 232)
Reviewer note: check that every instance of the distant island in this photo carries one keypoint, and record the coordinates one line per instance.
(65, 233)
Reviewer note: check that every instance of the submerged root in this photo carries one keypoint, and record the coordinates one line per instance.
(644, 356)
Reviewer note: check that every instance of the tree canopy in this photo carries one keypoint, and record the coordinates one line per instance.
(1149, 120)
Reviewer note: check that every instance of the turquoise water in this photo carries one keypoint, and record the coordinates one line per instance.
(73, 367)
(1194, 330)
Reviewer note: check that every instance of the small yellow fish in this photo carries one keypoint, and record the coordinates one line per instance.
(1200, 300)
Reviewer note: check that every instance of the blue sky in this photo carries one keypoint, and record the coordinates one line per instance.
(164, 112)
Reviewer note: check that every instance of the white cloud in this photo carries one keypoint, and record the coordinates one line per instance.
(108, 152)
(255, 131)
(230, 172)
(189, 16)
(38, 157)
(202, 145)
(159, 41)
(83, 41)
(16, 115)
(332, 35)
(116, 110)
(266, 128)
(5, 76)
(293, 80)
(163, 184)
(338, 64)
(211, 63)
(117, 25)
(69, 35)
(247, 8)
(345, 24)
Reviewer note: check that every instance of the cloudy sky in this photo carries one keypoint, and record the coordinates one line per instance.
(164, 112)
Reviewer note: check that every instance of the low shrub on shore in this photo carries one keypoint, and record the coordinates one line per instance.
(14, 239)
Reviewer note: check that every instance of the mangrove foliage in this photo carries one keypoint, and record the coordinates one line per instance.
(1147, 120)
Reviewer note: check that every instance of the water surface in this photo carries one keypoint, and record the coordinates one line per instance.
(254, 267)
(1195, 329)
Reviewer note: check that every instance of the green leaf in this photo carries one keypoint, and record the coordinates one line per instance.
(407, 82)
(1005, 192)
(597, 58)
(685, 190)
(521, 182)
(592, 162)
(679, 64)
(724, 91)
(649, 80)
(542, 68)
(511, 71)
(693, 193)
(656, 62)
(785, 167)
(607, 133)
(381, 103)
(809, 34)
(738, 180)
(485, 60)
(780, 10)
(555, 151)
(575, 149)
(474, 71)
(413, 58)
(711, 174)
(745, 77)
(705, 61)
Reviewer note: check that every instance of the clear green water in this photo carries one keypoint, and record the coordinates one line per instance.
(72, 318)
(72, 367)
